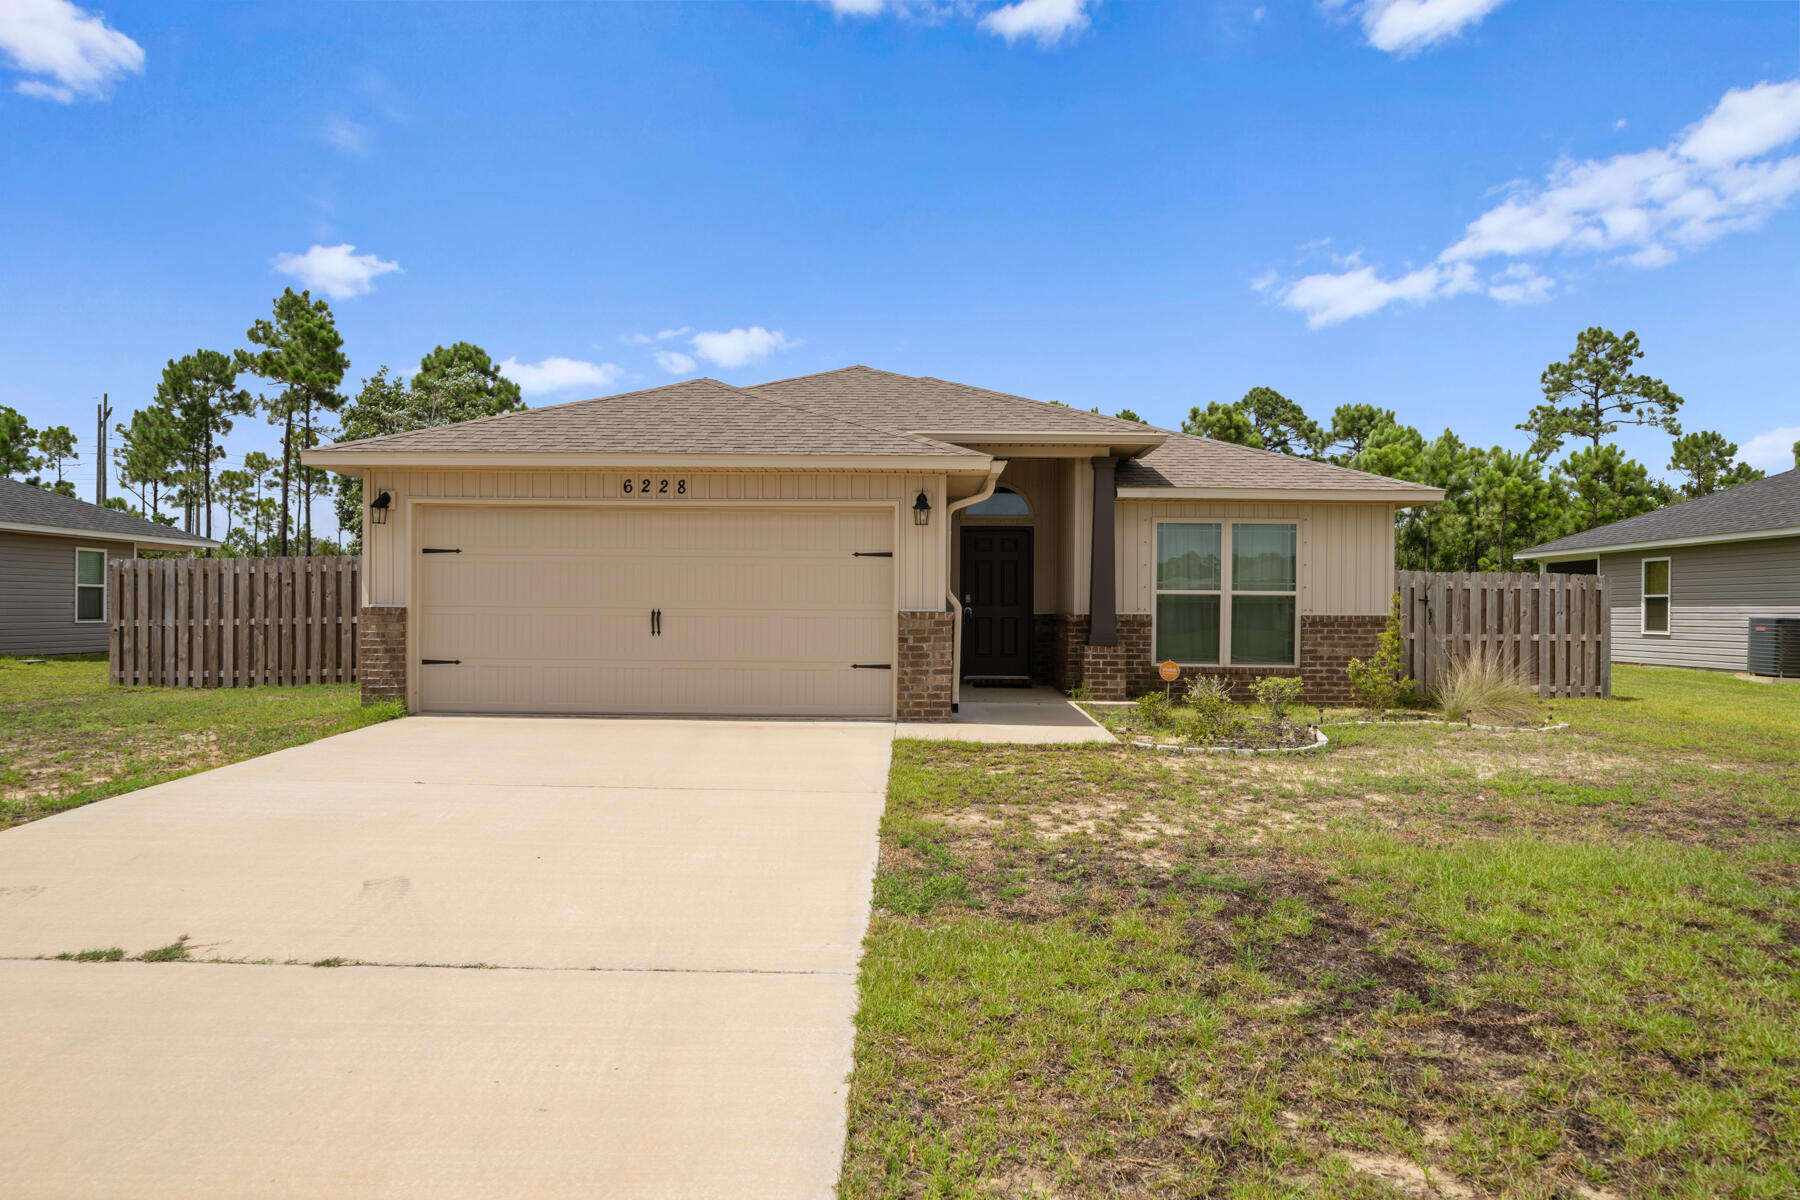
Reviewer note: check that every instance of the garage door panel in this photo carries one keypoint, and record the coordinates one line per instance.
(763, 611)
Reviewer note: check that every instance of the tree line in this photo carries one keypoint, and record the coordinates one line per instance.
(170, 456)
(1499, 501)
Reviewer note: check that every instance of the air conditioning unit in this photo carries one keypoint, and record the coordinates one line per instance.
(1775, 647)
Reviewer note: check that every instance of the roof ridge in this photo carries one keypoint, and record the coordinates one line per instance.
(970, 387)
(833, 371)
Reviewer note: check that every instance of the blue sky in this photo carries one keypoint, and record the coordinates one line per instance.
(1416, 203)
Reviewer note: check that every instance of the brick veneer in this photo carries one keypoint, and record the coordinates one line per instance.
(927, 659)
(381, 652)
(1327, 643)
(1061, 664)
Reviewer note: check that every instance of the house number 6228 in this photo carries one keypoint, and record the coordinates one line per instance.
(660, 487)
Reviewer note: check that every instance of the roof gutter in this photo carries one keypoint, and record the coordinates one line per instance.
(1754, 535)
(108, 535)
(438, 460)
(1129, 442)
(1416, 495)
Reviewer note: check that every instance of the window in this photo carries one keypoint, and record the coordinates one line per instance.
(1656, 596)
(90, 585)
(1211, 609)
(1188, 592)
(1003, 503)
(1264, 559)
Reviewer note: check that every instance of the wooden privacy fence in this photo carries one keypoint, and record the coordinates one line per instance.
(234, 622)
(1554, 630)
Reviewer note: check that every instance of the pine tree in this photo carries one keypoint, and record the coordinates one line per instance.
(302, 350)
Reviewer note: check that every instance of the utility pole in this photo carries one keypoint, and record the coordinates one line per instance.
(105, 411)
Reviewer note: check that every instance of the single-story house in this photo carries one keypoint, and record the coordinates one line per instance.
(1687, 582)
(53, 555)
(851, 543)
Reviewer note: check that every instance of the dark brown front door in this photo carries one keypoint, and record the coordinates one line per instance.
(996, 587)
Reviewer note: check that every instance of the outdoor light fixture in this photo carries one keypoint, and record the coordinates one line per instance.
(378, 508)
(922, 510)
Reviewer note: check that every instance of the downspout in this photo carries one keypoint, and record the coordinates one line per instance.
(955, 506)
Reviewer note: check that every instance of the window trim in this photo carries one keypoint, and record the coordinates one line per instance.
(1666, 596)
(1227, 544)
(105, 591)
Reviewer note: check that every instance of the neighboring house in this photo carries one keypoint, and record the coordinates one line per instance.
(53, 555)
(1687, 580)
(853, 543)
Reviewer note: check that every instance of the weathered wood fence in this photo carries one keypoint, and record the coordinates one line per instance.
(234, 622)
(1554, 630)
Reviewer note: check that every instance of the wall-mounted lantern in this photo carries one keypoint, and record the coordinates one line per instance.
(378, 508)
(922, 510)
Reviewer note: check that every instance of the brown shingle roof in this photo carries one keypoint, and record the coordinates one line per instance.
(936, 405)
(696, 416)
(1185, 461)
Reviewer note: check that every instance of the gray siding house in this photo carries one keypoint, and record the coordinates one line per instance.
(53, 555)
(1686, 580)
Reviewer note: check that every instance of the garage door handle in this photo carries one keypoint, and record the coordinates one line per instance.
(656, 622)
(871, 666)
(440, 662)
(871, 554)
(440, 550)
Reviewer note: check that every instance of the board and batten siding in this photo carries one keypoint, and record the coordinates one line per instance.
(919, 551)
(1346, 549)
(37, 594)
(1713, 592)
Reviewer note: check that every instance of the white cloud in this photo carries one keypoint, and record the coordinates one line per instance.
(740, 347)
(338, 271)
(348, 135)
(78, 56)
(1520, 284)
(1772, 451)
(1409, 26)
(856, 8)
(1045, 20)
(663, 335)
(1727, 172)
(674, 362)
(1327, 299)
(558, 374)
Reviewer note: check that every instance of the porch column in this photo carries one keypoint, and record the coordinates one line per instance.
(1103, 625)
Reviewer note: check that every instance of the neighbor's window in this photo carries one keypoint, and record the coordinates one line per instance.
(1189, 566)
(1656, 595)
(1264, 571)
(90, 585)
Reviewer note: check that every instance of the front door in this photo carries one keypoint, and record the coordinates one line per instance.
(996, 586)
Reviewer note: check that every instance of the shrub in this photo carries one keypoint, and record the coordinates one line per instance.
(1153, 710)
(1278, 693)
(1485, 687)
(1381, 681)
(1210, 692)
(1211, 716)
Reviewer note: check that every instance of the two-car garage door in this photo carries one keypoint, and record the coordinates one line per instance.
(777, 612)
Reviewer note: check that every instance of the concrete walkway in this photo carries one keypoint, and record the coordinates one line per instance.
(1038, 715)
(671, 913)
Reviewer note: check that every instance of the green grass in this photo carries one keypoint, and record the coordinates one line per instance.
(68, 738)
(1535, 965)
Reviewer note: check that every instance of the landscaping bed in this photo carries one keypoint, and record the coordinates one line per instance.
(68, 738)
(1425, 964)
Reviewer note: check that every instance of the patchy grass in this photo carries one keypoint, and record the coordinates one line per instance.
(1435, 962)
(110, 954)
(68, 738)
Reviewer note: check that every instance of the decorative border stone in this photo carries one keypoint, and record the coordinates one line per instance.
(1320, 741)
(1460, 725)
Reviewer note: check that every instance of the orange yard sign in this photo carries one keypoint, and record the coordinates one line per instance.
(1170, 671)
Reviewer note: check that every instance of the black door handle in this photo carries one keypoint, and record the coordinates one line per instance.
(656, 622)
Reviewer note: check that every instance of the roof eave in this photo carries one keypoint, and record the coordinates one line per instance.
(1548, 554)
(1377, 495)
(109, 535)
(1128, 443)
(364, 460)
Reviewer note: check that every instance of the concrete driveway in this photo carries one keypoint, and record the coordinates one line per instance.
(670, 914)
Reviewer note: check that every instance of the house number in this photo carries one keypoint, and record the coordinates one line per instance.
(660, 487)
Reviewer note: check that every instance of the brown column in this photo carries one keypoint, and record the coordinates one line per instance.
(1103, 627)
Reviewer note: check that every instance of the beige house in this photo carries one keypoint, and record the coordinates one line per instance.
(853, 543)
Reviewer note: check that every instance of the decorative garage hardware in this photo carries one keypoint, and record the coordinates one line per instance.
(656, 622)
(441, 550)
(440, 662)
(378, 508)
(871, 554)
(663, 487)
(871, 666)
(922, 510)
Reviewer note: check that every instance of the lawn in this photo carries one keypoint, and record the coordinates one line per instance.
(1427, 962)
(68, 738)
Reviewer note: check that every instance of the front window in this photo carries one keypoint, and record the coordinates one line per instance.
(1656, 595)
(1003, 503)
(1226, 592)
(90, 585)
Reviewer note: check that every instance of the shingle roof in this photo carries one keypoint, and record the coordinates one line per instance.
(1186, 461)
(1768, 504)
(24, 504)
(696, 416)
(935, 405)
